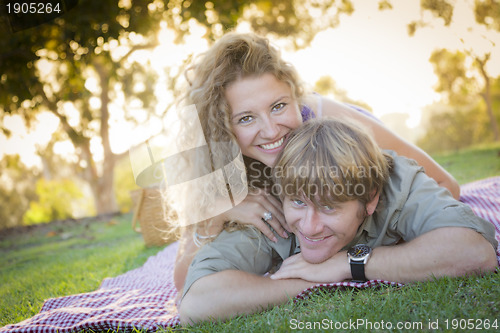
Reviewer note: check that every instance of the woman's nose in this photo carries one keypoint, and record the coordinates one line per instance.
(270, 129)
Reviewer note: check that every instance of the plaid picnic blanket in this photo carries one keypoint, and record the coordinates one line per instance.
(143, 298)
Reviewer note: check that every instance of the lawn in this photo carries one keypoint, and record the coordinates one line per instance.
(69, 258)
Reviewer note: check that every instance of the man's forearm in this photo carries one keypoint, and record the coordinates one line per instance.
(441, 252)
(229, 293)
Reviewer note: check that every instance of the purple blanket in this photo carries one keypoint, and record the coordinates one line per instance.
(144, 297)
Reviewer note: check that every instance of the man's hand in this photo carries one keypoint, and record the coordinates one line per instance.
(335, 269)
(441, 252)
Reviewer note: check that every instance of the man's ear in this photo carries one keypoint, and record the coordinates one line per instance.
(372, 204)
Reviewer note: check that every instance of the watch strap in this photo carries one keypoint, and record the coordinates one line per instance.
(358, 271)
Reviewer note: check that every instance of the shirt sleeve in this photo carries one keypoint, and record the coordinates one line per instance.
(245, 250)
(429, 207)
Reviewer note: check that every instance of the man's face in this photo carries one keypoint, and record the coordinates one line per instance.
(322, 231)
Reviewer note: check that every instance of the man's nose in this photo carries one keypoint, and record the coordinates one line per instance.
(311, 224)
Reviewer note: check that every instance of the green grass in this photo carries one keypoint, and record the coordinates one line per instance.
(472, 164)
(63, 260)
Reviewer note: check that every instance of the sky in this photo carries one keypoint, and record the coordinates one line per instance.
(369, 55)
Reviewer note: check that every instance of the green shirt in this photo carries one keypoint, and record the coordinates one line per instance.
(410, 205)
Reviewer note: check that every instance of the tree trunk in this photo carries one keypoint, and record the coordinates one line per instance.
(486, 95)
(106, 196)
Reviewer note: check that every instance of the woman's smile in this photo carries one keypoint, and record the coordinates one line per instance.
(274, 145)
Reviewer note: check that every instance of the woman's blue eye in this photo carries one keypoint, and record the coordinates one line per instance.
(279, 106)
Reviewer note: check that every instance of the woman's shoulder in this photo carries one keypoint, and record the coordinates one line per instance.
(333, 108)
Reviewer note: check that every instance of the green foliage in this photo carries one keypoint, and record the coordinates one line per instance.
(299, 21)
(456, 128)
(455, 83)
(16, 190)
(440, 8)
(384, 5)
(54, 201)
(487, 12)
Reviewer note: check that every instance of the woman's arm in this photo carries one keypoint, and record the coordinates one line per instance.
(387, 139)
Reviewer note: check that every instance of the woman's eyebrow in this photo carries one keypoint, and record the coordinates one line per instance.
(240, 114)
(278, 100)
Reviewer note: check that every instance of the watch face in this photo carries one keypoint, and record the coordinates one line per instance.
(359, 251)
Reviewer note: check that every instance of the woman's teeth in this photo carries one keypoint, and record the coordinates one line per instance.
(273, 145)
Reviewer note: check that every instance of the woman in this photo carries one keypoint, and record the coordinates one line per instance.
(245, 92)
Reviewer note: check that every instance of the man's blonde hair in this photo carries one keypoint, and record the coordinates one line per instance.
(331, 161)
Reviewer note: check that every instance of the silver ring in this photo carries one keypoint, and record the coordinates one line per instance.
(267, 216)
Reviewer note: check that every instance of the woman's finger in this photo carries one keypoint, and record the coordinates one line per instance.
(278, 221)
(276, 225)
(264, 228)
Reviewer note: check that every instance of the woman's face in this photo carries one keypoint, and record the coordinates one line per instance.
(263, 112)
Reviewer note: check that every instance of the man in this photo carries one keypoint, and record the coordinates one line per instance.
(339, 190)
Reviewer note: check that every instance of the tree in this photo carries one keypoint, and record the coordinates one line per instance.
(463, 121)
(46, 69)
(460, 85)
(49, 66)
(486, 94)
(487, 13)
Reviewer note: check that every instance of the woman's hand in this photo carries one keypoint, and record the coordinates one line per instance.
(252, 209)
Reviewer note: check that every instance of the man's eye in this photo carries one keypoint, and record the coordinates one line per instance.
(279, 106)
(245, 120)
(298, 203)
(327, 208)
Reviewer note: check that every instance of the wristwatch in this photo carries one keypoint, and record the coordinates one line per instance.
(358, 255)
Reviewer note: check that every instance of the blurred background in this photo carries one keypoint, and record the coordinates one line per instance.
(80, 88)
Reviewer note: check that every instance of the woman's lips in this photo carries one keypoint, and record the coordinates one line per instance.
(274, 145)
